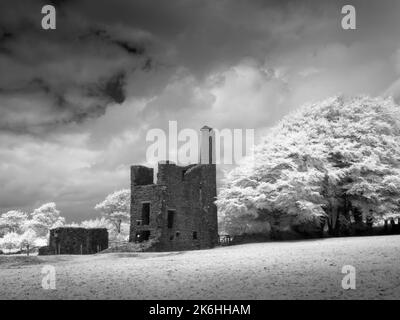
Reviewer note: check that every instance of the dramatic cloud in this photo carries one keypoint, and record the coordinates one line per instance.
(52, 78)
(76, 102)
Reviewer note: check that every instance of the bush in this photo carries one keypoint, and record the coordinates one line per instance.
(10, 242)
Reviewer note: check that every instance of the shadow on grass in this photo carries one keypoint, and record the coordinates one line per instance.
(148, 255)
(18, 261)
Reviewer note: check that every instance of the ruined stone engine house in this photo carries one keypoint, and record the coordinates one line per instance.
(178, 211)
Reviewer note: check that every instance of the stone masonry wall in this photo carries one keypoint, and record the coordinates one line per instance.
(154, 194)
(190, 191)
(71, 240)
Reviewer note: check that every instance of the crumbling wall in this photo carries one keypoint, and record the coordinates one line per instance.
(190, 193)
(71, 240)
(155, 196)
(141, 175)
(143, 190)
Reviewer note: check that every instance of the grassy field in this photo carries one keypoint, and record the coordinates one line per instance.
(277, 270)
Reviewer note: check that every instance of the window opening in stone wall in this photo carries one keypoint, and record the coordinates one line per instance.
(145, 213)
(142, 236)
(171, 214)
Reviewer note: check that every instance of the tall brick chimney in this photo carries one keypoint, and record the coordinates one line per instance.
(207, 145)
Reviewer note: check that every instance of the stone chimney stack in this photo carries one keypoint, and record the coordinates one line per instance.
(207, 145)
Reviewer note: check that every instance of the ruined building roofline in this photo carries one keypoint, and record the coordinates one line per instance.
(172, 164)
(142, 175)
(75, 228)
(146, 176)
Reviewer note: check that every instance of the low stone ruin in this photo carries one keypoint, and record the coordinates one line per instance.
(71, 240)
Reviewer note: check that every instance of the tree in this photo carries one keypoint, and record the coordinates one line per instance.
(96, 223)
(10, 241)
(28, 240)
(115, 208)
(13, 221)
(45, 218)
(328, 159)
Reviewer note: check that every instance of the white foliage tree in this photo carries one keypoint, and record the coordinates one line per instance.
(45, 218)
(11, 241)
(115, 208)
(28, 240)
(96, 223)
(13, 221)
(326, 159)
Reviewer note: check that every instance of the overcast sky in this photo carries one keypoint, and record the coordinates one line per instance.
(76, 102)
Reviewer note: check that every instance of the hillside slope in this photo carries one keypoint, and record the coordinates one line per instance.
(277, 270)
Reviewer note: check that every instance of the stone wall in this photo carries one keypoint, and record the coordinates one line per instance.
(155, 195)
(190, 193)
(71, 240)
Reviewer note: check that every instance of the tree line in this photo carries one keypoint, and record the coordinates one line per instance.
(330, 165)
(24, 232)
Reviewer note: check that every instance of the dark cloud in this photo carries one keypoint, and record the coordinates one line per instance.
(68, 75)
(129, 46)
(114, 88)
(63, 108)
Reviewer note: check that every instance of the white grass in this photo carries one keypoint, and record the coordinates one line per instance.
(279, 270)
